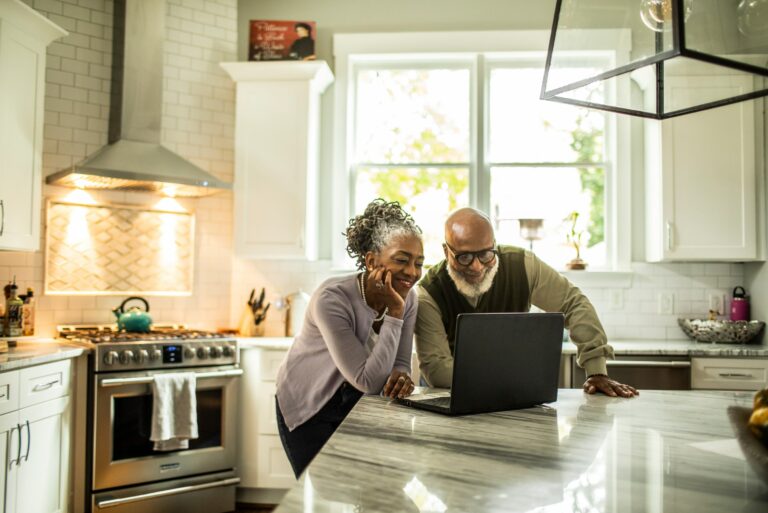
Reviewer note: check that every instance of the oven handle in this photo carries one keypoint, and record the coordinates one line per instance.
(647, 363)
(117, 382)
(164, 493)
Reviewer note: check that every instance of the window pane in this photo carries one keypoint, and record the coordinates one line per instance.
(412, 115)
(551, 195)
(526, 129)
(428, 194)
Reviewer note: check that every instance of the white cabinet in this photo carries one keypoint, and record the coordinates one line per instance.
(35, 440)
(701, 192)
(729, 373)
(24, 35)
(276, 157)
(263, 463)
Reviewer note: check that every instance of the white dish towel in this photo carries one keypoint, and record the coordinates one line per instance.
(174, 411)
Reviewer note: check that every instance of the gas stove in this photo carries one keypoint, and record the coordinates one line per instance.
(165, 347)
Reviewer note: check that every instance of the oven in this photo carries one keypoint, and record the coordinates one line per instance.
(126, 474)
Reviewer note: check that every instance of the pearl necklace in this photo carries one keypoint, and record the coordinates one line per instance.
(362, 291)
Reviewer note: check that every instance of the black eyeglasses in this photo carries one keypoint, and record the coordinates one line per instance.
(485, 256)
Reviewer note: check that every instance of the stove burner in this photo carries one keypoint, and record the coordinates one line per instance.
(103, 334)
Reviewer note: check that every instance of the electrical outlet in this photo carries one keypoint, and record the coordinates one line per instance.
(666, 303)
(716, 302)
(616, 299)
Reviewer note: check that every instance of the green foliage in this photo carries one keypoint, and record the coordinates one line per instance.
(402, 184)
(586, 143)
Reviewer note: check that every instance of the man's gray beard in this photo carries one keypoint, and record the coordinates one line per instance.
(474, 290)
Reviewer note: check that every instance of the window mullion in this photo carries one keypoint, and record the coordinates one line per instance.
(480, 182)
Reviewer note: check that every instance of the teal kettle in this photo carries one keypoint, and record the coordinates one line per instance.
(134, 319)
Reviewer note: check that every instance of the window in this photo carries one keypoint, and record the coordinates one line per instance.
(440, 130)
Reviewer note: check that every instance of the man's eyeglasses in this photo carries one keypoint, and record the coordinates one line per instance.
(485, 256)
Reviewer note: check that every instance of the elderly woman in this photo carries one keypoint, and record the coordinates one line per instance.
(357, 333)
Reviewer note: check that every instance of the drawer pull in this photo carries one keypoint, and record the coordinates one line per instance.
(734, 375)
(3, 395)
(44, 386)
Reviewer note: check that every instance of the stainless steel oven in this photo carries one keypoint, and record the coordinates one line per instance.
(126, 474)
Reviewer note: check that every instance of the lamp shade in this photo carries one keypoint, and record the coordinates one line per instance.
(657, 58)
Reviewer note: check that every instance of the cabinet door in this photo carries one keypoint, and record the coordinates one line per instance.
(701, 193)
(9, 452)
(43, 475)
(22, 82)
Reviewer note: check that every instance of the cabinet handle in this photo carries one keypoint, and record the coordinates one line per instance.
(29, 442)
(10, 437)
(44, 386)
(734, 375)
(669, 236)
(2, 217)
(18, 448)
(3, 395)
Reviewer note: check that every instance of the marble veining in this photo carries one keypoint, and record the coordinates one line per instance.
(27, 354)
(681, 347)
(664, 451)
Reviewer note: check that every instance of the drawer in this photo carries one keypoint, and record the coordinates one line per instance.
(729, 373)
(43, 382)
(9, 391)
(274, 469)
(270, 363)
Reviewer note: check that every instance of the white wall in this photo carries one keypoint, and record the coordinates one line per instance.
(198, 123)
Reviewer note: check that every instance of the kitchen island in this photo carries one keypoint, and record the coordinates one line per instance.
(664, 451)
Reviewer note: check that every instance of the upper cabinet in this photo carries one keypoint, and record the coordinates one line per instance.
(276, 157)
(24, 36)
(701, 192)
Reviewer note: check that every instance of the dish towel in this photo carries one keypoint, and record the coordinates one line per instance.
(174, 411)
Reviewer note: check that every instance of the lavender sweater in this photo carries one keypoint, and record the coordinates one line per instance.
(330, 349)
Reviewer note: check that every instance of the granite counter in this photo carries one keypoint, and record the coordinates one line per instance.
(662, 451)
(29, 353)
(679, 347)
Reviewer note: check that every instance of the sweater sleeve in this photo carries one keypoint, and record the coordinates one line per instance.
(405, 347)
(552, 292)
(435, 359)
(334, 317)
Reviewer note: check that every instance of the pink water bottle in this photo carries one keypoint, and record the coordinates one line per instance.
(740, 305)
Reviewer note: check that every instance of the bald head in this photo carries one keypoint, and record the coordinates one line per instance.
(468, 229)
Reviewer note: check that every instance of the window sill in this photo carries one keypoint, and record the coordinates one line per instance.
(597, 279)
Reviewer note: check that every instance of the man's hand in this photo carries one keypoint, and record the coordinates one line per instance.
(608, 386)
(399, 384)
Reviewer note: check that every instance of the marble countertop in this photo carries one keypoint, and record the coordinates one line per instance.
(29, 353)
(662, 451)
(679, 347)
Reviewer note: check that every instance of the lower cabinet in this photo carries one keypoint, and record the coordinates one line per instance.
(35, 440)
(263, 464)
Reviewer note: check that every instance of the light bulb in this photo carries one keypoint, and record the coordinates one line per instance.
(752, 18)
(657, 14)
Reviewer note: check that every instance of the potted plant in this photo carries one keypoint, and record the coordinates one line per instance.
(574, 239)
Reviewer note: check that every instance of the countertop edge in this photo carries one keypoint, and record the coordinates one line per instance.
(28, 354)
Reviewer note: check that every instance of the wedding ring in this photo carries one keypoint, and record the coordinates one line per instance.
(379, 285)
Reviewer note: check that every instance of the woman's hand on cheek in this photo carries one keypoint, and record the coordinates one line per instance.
(380, 293)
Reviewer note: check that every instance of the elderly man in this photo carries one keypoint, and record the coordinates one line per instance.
(478, 276)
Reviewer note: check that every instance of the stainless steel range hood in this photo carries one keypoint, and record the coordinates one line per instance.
(134, 159)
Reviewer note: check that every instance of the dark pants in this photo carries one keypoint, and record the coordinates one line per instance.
(303, 443)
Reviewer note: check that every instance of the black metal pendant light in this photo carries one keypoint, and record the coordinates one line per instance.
(674, 56)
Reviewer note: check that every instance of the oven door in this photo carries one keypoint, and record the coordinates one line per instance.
(122, 451)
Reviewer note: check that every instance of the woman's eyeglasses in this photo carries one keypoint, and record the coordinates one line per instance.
(485, 256)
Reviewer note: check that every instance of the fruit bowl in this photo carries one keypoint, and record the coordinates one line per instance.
(755, 452)
(720, 332)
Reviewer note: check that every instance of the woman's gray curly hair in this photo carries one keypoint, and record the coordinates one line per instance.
(376, 227)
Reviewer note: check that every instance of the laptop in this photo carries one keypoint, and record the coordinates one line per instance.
(501, 361)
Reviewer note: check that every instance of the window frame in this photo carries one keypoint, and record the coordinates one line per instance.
(483, 50)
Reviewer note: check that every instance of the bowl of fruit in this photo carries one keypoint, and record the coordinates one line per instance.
(751, 429)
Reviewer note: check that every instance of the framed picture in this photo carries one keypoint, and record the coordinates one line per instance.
(275, 40)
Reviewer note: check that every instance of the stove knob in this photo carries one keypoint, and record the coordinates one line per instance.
(189, 353)
(156, 354)
(142, 356)
(227, 351)
(110, 358)
(215, 352)
(203, 352)
(126, 357)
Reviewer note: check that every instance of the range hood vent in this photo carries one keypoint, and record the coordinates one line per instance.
(134, 159)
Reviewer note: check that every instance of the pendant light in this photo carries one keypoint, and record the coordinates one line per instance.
(657, 58)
